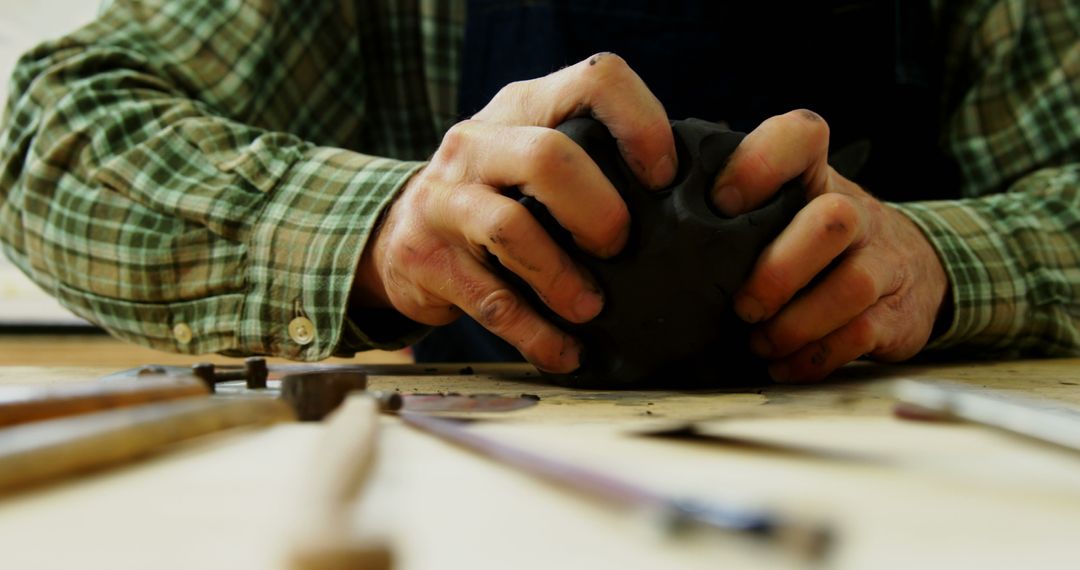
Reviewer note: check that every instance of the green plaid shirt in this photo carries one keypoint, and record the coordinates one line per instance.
(198, 175)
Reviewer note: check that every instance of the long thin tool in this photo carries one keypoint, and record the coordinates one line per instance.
(803, 538)
(1044, 420)
(22, 404)
(343, 463)
(44, 450)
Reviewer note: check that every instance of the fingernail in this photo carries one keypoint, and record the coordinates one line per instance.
(569, 358)
(620, 242)
(573, 356)
(780, 372)
(587, 305)
(760, 344)
(663, 172)
(749, 309)
(728, 200)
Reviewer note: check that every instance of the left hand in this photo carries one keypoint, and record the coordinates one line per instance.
(850, 276)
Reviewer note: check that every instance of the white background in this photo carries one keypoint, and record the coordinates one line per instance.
(24, 24)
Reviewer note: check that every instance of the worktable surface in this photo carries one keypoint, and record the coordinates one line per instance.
(896, 493)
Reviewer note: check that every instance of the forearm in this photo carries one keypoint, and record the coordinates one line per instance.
(1013, 262)
(136, 191)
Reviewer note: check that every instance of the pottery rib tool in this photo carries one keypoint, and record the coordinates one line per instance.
(22, 404)
(343, 462)
(802, 538)
(1044, 420)
(44, 450)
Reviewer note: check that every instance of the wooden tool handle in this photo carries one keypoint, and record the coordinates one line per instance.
(343, 462)
(22, 404)
(44, 450)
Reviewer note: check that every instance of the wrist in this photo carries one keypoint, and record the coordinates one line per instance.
(368, 291)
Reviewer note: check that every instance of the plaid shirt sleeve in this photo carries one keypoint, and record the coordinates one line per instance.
(1011, 248)
(212, 166)
(197, 176)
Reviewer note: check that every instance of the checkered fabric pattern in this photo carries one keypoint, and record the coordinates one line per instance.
(221, 164)
(1011, 248)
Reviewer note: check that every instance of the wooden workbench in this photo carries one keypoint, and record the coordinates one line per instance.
(897, 494)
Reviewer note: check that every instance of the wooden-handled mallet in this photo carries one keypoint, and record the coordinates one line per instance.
(66, 429)
(323, 539)
(42, 451)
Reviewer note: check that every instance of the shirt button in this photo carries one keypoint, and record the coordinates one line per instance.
(302, 331)
(182, 333)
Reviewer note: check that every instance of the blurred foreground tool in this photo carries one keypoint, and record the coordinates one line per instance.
(803, 538)
(314, 390)
(313, 393)
(323, 539)
(48, 449)
(22, 404)
(1045, 420)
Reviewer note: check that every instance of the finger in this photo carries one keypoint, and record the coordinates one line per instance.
(495, 305)
(782, 148)
(503, 227)
(818, 359)
(546, 164)
(821, 231)
(605, 87)
(847, 291)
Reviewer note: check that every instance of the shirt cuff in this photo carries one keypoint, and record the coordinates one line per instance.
(303, 252)
(971, 254)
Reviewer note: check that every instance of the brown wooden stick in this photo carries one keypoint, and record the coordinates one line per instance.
(22, 404)
(45, 450)
(343, 461)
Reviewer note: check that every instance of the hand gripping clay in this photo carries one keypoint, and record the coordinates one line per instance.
(667, 319)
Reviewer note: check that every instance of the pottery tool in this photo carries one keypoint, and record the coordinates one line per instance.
(1044, 420)
(234, 377)
(343, 462)
(21, 404)
(314, 390)
(35, 452)
(679, 515)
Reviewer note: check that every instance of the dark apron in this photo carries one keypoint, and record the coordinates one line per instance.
(867, 66)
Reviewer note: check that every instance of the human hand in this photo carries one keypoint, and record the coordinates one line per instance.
(429, 259)
(849, 276)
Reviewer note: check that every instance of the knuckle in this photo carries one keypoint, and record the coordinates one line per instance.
(613, 222)
(500, 310)
(516, 94)
(412, 250)
(456, 140)
(770, 287)
(862, 333)
(810, 122)
(821, 356)
(837, 215)
(606, 68)
(410, 266)
(560, 287)
(562, 280)
(859, 286)
(544, 150)
(505, 222)
(756, 165)
(607, 62)
(898, 305)
(510, 91)
(784, 337)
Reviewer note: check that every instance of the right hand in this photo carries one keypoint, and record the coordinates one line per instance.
(428, 259)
